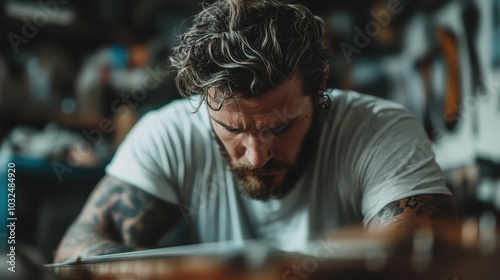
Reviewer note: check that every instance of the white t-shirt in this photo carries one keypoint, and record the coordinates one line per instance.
(371, 152)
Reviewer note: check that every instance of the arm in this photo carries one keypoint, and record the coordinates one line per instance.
(409, 214)
(116, 218)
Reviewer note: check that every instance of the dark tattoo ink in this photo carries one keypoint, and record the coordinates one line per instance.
(409, 213)
(411, 202)
(117, 218)
(390, 210)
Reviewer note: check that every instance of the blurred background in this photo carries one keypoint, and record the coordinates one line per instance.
(76, 75)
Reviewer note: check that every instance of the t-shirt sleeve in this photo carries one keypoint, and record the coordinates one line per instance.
(143, 158)
(397, 162)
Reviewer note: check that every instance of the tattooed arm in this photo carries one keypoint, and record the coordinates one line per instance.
(116, 218)
(408, 214)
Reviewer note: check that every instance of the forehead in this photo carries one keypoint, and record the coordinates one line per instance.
(289, 95)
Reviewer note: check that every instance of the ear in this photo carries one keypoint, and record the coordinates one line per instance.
(326, 72)
(324, 100)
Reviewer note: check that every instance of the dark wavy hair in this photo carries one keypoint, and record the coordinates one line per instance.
(247, 47)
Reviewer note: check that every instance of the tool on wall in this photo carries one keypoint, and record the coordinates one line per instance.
(470, 18)
(440, 70)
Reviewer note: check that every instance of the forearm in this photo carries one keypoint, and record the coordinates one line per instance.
(117, 218)
(84, 240)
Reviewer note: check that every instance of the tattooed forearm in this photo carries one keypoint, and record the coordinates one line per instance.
(410, 213)
(116, 218)
(83, 240)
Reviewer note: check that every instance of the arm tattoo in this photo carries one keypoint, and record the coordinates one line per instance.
(117, 218)
(410, 213)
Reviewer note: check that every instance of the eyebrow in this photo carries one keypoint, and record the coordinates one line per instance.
(222, 124)
(289, 122)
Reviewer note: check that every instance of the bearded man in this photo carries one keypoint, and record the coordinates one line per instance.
(260, 147)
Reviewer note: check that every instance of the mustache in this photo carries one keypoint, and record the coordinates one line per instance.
(271, 166)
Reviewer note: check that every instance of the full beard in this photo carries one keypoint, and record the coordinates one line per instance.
(264, 188)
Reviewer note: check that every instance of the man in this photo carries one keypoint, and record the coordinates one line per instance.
(267, 151)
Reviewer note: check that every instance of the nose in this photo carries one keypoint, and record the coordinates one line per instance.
(258, 151)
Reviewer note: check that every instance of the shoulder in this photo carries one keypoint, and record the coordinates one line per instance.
(350, 103)
(360, 129)
(360, 116)
(169, 134)
(182, 112)
(164, 145)
(178, 119)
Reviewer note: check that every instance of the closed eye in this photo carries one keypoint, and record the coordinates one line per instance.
(227, 128)
(231, 130)
(280, 128)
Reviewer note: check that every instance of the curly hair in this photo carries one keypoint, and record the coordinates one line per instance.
(247, 47)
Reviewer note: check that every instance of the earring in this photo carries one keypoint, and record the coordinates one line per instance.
(324, 102)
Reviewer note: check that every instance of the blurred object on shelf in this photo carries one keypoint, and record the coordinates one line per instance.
(463, 183)
(57, 144)
(120, 75)
(52, 14)
(488, 192)
(124, 123)
(489, 186)
(51, 73)
(39, 78)
(388, 39)
(476, 188)
(68, 106)
(139, 56)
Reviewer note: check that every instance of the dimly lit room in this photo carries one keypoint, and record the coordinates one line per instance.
(247, 139)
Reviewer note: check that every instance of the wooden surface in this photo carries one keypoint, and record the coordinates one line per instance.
(348, 254)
